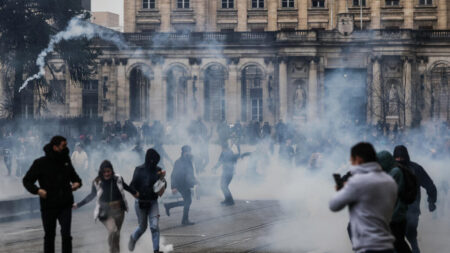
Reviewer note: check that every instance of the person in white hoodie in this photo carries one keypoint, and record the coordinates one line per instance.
(80, 160)
(370, 194)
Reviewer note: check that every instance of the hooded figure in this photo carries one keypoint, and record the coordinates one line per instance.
(398, 222)
(147, 210)
(57, 179)
(401, 155)
(182, 180)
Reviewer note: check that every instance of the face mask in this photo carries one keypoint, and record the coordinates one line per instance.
(65, 151)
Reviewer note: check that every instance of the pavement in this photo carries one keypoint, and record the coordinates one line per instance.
(244, 227)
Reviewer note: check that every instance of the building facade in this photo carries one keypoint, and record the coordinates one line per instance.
(106, 19)
(266, 60)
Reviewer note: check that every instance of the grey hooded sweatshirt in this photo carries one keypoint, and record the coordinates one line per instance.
(370, 194)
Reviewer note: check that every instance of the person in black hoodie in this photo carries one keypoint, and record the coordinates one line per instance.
(144, 178)
(57, 180)
(182, 180)
(423, 180)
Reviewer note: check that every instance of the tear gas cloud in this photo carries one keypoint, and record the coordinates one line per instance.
(77, 28)
(303, 186)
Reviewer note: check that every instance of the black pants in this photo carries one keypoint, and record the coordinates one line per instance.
(399, 230)
(186, 203)
(380, 251)
(412, 221)
(224, 183)
(49, 218)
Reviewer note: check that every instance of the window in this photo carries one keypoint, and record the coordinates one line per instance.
(392, 2)
(257, 3)
(90, 98)
(287, 3)
(183, 4)
(425, 2)
(318, 3)
(358, 2)
(227, 4)
(148, 4)
(251, 93)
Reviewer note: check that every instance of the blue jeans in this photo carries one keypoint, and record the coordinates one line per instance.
(150, 215)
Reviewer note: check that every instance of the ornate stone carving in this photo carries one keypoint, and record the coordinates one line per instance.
(195, 60)
(233, 60)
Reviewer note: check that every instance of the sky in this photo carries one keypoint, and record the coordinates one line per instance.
(114, 6)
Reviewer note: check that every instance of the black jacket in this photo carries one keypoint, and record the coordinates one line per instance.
(182, 177)
(55, 173)
(146, 175)
(423, 180)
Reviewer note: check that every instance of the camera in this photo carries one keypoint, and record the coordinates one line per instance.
(340, 180)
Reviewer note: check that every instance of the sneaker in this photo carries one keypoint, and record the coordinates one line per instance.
(167, 209)
(131, 243)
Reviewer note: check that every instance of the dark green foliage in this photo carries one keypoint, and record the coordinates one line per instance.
(26, 27)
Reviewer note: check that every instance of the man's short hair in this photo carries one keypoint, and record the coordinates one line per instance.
(56, 140)
(364, 150)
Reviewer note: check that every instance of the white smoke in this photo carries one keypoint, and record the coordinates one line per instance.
(77, 28)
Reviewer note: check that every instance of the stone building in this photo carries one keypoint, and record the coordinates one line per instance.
(266, 60)
(106, 19)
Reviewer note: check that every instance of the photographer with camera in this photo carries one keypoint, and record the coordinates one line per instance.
(370, 194)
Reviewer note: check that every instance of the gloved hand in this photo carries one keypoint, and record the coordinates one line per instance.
(431, 207)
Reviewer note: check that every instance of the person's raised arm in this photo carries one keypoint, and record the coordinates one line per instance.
(347, 195)
(88, 198)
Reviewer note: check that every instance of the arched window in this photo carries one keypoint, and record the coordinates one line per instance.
(214, 93)
(440, 92)
(140, 93)
(176, 92)
(252, 93)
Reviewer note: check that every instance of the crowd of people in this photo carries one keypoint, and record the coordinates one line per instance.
(383, 196)
(395, 217)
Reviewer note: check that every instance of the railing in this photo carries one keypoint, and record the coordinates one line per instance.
(433, 35)
(181, 39)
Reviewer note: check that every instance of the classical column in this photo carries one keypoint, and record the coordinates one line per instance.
(267, 91)
(442, 14)
(408, 92)
(164, 9)
(158, 95)
(123, 93)
(235, 102)
(375, 14)
(302, 15)
(272, 13)
(342, 6)
(129, 16)
(193, 103)
(100, 88)
(282, 88)
(376, 96)
(211, 16)
(242, 15)
(332, 13)
(75, 96)
(200, 15)
(408, 14)
(312, 90)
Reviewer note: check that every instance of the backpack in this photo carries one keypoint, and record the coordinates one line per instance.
(409, 194)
